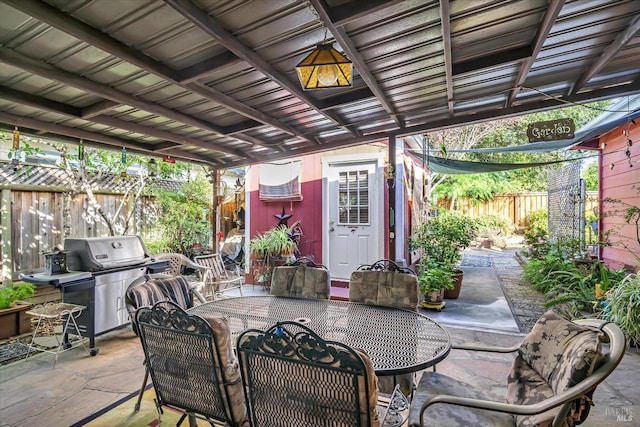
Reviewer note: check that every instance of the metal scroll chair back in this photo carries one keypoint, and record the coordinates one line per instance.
(217, 279)
(292, 377)
(301, 279)
(189, 364)
(386, 284)
(147, 290)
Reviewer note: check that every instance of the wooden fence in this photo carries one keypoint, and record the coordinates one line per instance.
(516, 207)
(37, 223)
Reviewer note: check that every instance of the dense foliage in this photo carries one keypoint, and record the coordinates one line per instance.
(576, 287)
(9, 295)
(183, 219)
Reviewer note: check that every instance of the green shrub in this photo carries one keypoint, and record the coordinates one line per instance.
(536, 233)
(623, 307)
(9, 295)
(491, 221)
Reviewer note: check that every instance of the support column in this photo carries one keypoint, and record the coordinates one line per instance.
(6, 227)
(391, 181)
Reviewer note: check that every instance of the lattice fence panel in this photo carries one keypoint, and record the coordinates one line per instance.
(566, 203)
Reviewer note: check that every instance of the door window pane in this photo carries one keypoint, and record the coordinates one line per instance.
(353, 198)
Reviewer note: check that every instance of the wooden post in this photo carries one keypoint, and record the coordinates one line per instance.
(392, 199)
(5, 226)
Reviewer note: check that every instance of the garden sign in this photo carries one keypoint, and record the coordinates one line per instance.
(551, 130)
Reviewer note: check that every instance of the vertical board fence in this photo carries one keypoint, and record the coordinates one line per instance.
(38, 223)
(516, 207)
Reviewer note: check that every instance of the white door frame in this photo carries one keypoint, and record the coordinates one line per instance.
(344, 160)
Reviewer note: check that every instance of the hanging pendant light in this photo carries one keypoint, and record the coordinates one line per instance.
(325, 67)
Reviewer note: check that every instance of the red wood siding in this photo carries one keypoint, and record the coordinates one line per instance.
(308, 211)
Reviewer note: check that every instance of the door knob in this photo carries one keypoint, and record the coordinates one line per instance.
(331, 229)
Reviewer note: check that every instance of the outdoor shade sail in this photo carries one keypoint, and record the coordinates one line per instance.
(453, 167)
(280, 181)
(621, 112)
(586, 133)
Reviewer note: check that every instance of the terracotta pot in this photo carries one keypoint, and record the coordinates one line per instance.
(434, 296)
(457, 285)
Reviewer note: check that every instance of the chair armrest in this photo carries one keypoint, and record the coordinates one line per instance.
(397, 410)
(190, 264)
(195, 294)
(562, 398)
(487, 348)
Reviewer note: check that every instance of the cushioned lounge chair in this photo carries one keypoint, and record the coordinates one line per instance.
(557, 368)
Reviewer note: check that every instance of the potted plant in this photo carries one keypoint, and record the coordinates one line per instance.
(433, 279)
(276, 243)
(13, 318)
(443, 238)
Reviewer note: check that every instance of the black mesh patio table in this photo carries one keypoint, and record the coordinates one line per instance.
(397, 341)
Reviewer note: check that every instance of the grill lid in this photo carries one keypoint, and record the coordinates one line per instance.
(102, 253)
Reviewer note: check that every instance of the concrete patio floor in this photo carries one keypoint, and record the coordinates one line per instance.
(32, 393)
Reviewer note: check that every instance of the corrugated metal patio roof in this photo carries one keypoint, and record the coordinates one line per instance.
(214, 82)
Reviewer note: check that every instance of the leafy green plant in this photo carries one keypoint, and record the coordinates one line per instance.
(494, 222)
(539, 272)
(10, 295)
(181, 222)
(443, 237)
(433, 277)
(274, 242)
(567, 285)
(536, 233)
(623, 307)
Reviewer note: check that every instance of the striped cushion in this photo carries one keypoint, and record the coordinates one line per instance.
(175, 289)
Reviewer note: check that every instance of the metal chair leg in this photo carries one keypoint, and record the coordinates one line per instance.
(142, 389)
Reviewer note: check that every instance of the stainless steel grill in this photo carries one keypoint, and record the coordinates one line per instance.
(100, 270)
(104, 253)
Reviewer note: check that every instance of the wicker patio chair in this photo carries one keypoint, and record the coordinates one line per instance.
(557, 368)
(301, 279)
(149, 289)
(292, 377)
(192, 364)
(386, 284)
(217, 279)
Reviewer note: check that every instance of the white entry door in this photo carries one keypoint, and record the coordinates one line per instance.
(354, 217)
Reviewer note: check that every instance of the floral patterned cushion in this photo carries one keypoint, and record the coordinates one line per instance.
(385, 288)
(300, 282)
(556, 355)
(228, 365)
(372, 379)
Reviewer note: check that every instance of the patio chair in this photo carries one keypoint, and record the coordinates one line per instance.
(217, 279)
(180, 265)
(301, 279)
(292, 377)
(149, 289)
(192, 364)
(557, 368)
(386, 284)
